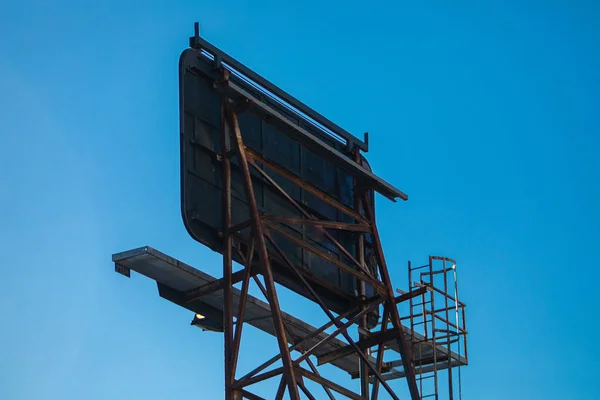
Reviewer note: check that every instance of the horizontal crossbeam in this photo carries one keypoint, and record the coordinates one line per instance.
(410, 295)
(213, 286)
(327, 383)
(320, 223)
(359, 275)
(372, 340)
(309, 188)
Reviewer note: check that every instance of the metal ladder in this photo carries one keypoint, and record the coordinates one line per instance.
(434, 337)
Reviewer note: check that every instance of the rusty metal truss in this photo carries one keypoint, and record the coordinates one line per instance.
(262, 226)
(425, 347)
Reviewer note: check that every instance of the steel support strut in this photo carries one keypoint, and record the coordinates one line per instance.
(404, 347)
(292, 373)
(380, 350)
(322, 243)
(388, 292)
(227, 256)
(261, 248)
(344, 332)
(360, 251)
(298, 346)
(311, 217)
(242, 308)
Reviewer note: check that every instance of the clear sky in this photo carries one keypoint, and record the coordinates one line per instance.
(485, 113)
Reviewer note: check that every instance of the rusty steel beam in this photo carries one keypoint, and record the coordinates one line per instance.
(451, 298)
(362, 324)
(314, 369)
(213, 286)
(238, 227)
(380, 351)
(405, 350)
(326, 382)
(308, 394)
(261, 246)
(310, 216)
(280, 389)
(368, 307)
(450, 260)
(318, 300)
(306, 186)
(242, 309)
(459, 329)
(449, 369)
(370, 341)
(340, 328)
(258, 378)
(319, 223)
(299, 346)
(376, 284)
(410, 295)
(293, 347)
(307, 274)
(227, 253)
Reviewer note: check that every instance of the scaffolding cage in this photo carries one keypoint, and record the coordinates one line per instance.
(438, 329)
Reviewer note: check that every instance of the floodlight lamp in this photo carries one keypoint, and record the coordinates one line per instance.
(207, 323)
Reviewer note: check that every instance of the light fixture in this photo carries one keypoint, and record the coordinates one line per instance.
(207, 323)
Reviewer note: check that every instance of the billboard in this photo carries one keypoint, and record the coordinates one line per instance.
(308, 156)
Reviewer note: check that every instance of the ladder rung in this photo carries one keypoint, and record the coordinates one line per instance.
(422, 322)
(420, 304)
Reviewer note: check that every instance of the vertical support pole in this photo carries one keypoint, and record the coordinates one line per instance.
(460, 326)
(298, 346)
(227, 249)
(239, 323)
(380, 351)
(362, 290)
(433, 333)
(411, 306)
(405, 350)
(450, 359)
(412, 325)
(261, 247)
(464, 326)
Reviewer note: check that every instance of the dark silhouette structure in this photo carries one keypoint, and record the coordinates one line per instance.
(276, 187)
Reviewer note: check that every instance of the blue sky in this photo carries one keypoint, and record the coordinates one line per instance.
(485, 113)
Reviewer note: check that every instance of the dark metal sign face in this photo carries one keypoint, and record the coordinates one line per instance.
(313, 175)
